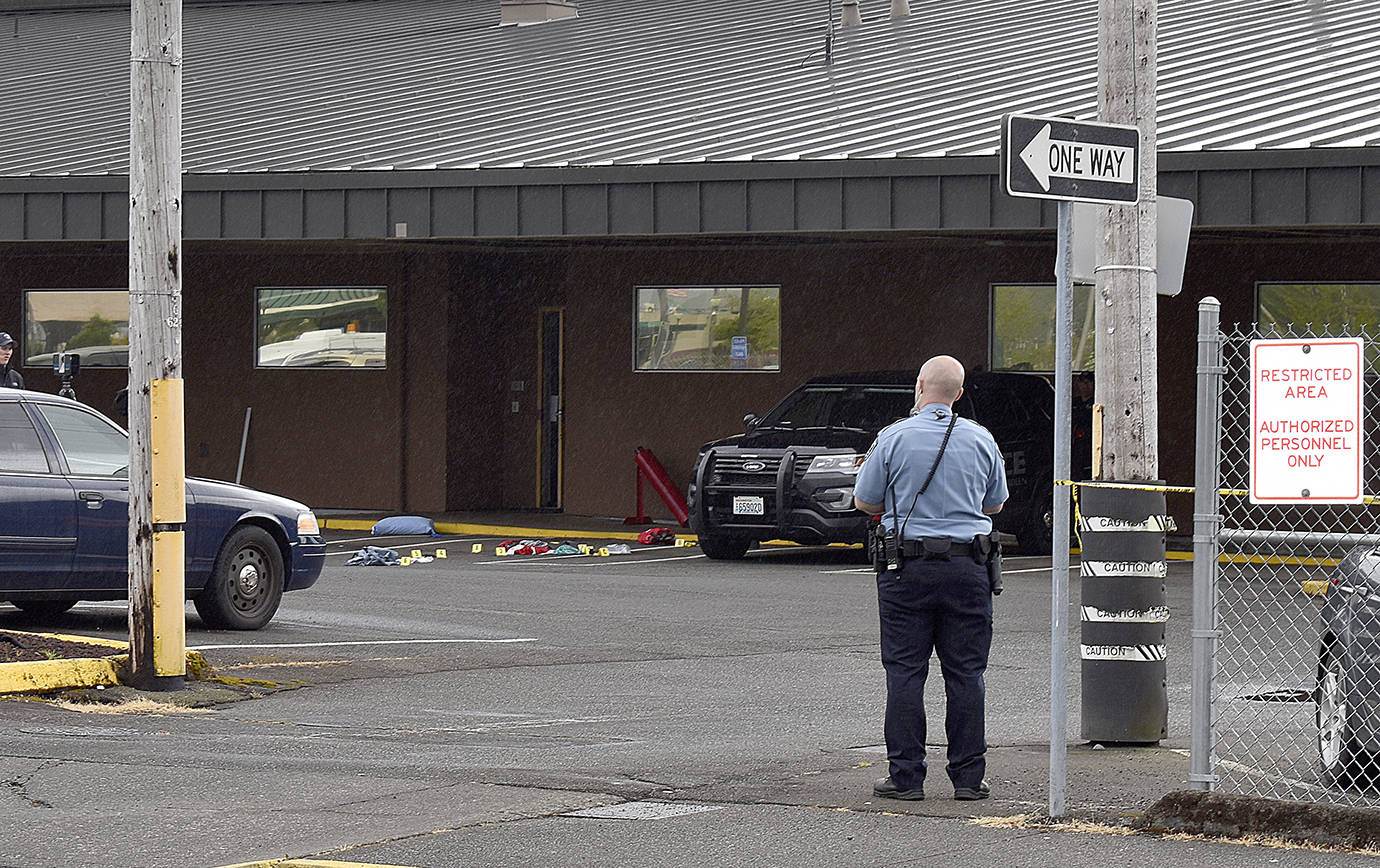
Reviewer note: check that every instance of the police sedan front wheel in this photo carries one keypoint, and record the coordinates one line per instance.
(246, 584)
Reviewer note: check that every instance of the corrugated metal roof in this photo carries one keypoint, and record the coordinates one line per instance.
(438, 84)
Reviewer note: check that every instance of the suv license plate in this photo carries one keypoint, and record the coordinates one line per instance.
(747, 505)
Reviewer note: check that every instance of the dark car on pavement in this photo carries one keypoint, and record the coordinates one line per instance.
(1348, 688)
(790, 474)
(64, 522)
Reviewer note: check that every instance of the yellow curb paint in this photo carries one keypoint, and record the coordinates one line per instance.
(121, 644)
(42, 676)
(462, 528)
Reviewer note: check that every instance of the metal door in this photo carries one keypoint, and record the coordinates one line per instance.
(551, 348)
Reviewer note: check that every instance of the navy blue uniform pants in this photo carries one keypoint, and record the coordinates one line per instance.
(943, 607)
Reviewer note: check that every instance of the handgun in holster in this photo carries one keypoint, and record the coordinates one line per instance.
(987, 551)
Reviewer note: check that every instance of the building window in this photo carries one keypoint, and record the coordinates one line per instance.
(93, 323)
(707, 328)
(1346, 308)
(1023, 327)
(321, 327)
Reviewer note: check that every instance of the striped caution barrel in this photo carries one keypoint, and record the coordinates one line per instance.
(1124, 610)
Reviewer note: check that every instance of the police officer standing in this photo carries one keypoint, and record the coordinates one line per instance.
(935, 480)
(9, 374)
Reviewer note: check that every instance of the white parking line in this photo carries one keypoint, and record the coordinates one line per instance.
(528, 560)
(365, 642)
(1004, 572)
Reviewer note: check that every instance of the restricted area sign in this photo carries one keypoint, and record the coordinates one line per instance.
(1057, 158)
(1307, 435)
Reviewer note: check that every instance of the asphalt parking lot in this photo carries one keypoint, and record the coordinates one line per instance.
(466, 710)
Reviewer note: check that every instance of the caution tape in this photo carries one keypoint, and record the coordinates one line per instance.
(1129, 486)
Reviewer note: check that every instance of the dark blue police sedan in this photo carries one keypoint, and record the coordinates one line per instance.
(64, 522)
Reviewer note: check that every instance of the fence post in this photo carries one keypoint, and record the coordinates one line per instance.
(1207, 524)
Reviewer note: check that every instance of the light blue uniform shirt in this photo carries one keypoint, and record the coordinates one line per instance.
(970, 476)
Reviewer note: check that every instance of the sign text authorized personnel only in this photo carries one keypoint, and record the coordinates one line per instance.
(1306, 421)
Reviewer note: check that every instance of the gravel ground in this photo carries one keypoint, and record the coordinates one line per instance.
(32, 648)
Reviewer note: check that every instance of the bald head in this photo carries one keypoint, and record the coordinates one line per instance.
(940, 381)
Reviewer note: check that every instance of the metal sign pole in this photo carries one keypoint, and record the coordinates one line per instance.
(1059, 574)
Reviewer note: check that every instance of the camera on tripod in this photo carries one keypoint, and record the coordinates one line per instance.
(65, 367)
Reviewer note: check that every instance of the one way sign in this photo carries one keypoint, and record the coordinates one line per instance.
(1056, 158)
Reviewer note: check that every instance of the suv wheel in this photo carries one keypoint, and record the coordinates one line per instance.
(724, 548)
(1036, 536)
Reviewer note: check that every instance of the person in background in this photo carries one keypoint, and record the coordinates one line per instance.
(9, 374)
(1080, 452)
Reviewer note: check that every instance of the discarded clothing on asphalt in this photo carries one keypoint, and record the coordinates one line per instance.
(619, 549)
(565, 548)
(525, 546)
(657, 536)
(374, 556)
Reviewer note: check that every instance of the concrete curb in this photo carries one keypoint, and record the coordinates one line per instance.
(1232, 816)
(44, 676)
(309, 863)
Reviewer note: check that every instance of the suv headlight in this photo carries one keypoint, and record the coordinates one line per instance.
(307, 525)
(846, 463)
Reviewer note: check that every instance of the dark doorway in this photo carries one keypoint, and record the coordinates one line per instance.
(552, 323)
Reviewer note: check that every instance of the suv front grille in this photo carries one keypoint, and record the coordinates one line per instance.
(744, 470)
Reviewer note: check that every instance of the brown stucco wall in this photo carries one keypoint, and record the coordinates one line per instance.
(845, 307)
(436, 430)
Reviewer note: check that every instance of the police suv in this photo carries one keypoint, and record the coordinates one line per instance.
(790, 474)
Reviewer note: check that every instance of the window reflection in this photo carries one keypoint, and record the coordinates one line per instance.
(93, 323)
(1023, 327)
(322, 327)
(708, 328)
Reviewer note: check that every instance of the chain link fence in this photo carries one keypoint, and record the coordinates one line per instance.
(1294, 683)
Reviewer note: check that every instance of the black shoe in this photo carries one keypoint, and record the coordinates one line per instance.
(972, 794)
(886, 788)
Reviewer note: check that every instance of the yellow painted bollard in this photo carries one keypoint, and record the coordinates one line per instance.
(168, 470)
(169, 604)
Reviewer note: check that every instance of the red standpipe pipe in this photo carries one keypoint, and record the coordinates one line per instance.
(649, 467)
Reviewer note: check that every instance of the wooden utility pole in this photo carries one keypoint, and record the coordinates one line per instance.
(156, 614)
(1126, 302)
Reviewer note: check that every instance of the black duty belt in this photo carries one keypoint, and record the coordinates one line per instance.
(914, 548)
